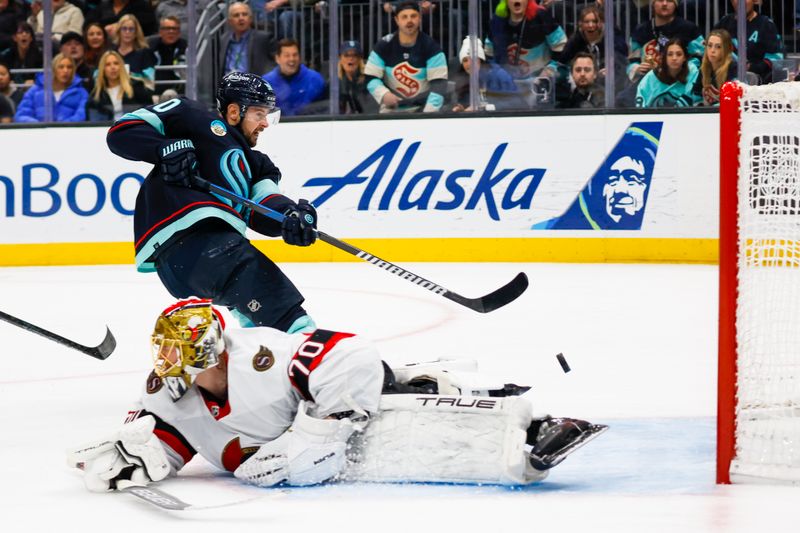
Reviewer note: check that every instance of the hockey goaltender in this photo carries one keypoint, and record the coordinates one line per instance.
(306, 408)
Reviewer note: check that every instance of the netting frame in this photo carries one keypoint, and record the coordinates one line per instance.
(758, 103)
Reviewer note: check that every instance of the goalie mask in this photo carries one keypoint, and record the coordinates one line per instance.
(187, 340)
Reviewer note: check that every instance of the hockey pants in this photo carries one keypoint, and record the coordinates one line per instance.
(215, 261)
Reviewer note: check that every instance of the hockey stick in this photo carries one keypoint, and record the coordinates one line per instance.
(484, 304)
(101, 351)
(167, 502)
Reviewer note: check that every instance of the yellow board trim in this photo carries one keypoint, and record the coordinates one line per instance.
(520, 250)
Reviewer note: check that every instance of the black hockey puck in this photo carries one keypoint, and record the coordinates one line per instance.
(563, 362)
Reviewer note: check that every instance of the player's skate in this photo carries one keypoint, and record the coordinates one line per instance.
(553, 439)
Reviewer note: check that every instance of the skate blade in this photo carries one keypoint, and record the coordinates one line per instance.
(549, 461)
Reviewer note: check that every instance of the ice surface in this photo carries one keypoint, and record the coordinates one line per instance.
(641, 341)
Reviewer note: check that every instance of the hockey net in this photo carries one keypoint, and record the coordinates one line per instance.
(758, 437)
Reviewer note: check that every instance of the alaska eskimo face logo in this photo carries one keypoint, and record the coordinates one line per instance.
(615, 197)
(218, 128)
(404, 73)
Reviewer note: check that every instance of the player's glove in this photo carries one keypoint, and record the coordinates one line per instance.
(133, 453)
(178, 162)
(299, 225)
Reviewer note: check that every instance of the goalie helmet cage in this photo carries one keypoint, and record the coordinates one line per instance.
(758, 408)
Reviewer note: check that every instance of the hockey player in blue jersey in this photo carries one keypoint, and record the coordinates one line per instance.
(195, 240)
(406, 70)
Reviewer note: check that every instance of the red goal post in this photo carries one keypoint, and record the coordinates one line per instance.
(758, 409)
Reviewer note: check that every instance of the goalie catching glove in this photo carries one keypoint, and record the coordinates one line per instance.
(133, 454)
(309, 452)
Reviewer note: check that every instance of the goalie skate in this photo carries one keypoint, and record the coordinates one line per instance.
(557, 438)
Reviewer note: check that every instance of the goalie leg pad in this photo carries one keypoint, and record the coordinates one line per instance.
(454, 439)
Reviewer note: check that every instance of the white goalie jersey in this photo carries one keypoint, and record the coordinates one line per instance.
(269, 374)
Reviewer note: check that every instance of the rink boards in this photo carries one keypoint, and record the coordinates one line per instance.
(616, 188)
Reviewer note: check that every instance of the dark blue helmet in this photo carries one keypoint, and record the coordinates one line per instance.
(244, 89)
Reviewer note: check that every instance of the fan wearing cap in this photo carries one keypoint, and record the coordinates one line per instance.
(196, 241)
(496, 85)
(353, 94)
(225, 393)
(72, 46)
(66, 18)
(407, 70)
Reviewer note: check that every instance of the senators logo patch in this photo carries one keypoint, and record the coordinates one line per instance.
(264, 359)
(154, 383)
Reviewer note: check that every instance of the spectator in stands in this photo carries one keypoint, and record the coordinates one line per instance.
(66, 18)
(407, 70)
(648, 39)
(525, 39)
(496, 87)
(10, 15)
(9, 89)
(718, 66)
(25, 54)
(587, 92)
(287, 14)
(590, 38)
(673, 83)
(97, 42)
(169, 49)
(763, 42)
(68, 97)
(7, 92)
(295, 85)
(132, 46)
(72, 46)
(109, 12)
(177, 8)
(245, 49)
(115, 92)
(353, 94)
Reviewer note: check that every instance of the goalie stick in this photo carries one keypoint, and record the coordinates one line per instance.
(167, 502)
(484, 304)
(101, 351)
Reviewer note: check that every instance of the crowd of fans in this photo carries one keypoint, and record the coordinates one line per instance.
(106, 53)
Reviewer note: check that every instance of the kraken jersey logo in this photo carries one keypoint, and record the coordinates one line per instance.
(154, 383)
(404, 74)
(264, 359)
(218, 128)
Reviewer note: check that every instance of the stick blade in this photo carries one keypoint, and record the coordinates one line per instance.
(105, 348)
(496, 299)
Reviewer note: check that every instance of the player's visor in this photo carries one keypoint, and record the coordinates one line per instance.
(258, 114)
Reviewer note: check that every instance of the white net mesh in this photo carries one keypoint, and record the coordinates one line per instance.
(768, 305)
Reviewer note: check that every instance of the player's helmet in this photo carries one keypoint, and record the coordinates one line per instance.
(244, 89)
(187, 339)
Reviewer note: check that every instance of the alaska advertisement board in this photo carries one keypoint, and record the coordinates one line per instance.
(616, 187)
